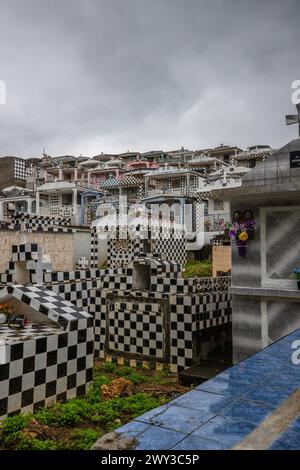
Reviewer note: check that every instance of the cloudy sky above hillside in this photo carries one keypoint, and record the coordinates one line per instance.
(86, 76)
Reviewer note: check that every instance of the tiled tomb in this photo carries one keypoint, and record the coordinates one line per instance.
(50, 358)
(147, 304)
(147, 313)
(265, 295)
(124, 248)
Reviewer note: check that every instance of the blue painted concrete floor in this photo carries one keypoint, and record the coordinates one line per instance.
(222, 412)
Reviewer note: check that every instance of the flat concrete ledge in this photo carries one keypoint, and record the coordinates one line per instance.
(258, 189)
(272, 292)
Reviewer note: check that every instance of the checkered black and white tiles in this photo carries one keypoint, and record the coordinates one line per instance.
(158, 323)
(20, 170)
(39, 366)
(136, 328)
(38, 222)
(125, 248)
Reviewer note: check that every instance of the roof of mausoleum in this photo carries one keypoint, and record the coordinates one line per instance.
(278, 176)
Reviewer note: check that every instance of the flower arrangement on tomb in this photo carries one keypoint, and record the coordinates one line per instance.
(240, 231)
(6, 308)
(6, 311)
(9, 317)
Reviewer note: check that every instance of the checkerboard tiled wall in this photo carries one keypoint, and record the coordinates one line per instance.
(122, 252)
(44, 368)
(190, 306)
(20, 170)
(37, 222)
(174, 308)
(167, 244)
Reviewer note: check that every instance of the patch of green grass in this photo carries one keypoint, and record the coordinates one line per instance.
(90, 415)
(138, 404)
(124, 371)
(137, 378)
(46, 444)
(14, 440)
(108, 413)
(94, 393)
(65, 414)
(198, 269)
(14, 424)
(109, 367)
(19, 441)
(83, 439)
(104, 413)
(161, 377)
(134, 375)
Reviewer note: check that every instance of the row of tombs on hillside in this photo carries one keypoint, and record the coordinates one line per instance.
(142, 313)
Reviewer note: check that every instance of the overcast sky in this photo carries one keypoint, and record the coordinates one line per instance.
(91, 76)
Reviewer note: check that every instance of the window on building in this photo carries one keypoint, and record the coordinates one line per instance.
(176, 183)
(218, 205)
(194, 217)
(205, 207)
(193, 182)
(55, 200)
(280, 245)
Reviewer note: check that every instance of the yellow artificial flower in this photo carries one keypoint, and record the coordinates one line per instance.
(243, 236)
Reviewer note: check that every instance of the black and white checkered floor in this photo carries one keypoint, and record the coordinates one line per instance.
(32, 330)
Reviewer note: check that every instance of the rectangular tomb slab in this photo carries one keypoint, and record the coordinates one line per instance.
(47, 360)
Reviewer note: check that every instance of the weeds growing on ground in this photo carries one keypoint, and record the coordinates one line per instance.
(77, 423)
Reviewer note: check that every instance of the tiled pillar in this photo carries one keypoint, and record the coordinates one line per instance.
(29, 206)
(37, 210)
(1, 211)
(75, 204)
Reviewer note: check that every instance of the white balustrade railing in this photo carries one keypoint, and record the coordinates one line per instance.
(172, 192)
(61, 211)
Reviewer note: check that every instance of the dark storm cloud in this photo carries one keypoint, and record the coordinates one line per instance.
(111, 75)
